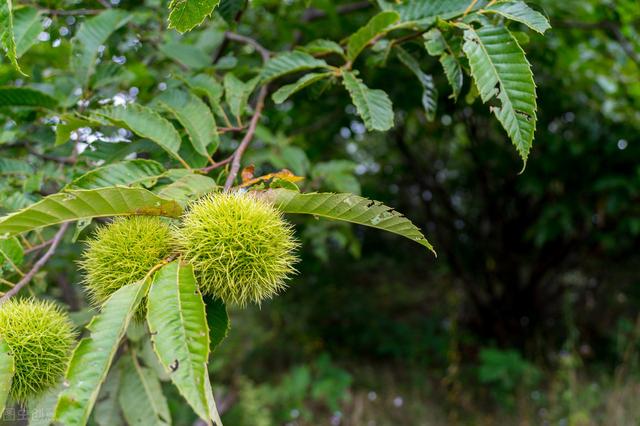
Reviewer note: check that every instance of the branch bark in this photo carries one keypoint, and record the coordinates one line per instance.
(38, 265)
(237, 155)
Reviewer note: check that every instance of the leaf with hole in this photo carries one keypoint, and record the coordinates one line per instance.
(347, 207)
(501, 71)
(178, 325)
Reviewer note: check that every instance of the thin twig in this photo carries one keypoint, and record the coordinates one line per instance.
(38, 246)
(237, 155)
(265, 53)
(214, 166)
(38, 265)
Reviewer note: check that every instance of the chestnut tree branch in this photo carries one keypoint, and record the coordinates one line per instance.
(237, 155)
(38, 265)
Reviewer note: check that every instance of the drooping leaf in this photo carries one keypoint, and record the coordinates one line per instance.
(283, 93)
(290, 62)
(429, 93)
(501, 70)
(188, 187)
(7, 369)
(140, 395)
(26, 27)
(178, 326)
(127, 173)
(350, 208)
(376, 27)
(237, 93)
(26, 97)
(85, 204)
(437, 45)
(520, 12)
(7, 37)
(92, 34)
(194, 115)
(185, 15)
(218, 320)
(94, 354)
(146, 123)
(373, 105)
(453, 72)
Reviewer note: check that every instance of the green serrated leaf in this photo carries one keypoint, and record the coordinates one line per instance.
(520, 12)
(290, 62)
(376, 27)
(93, 356)
(188, 55)
(373, 105)
(425, 12)
(237, 93)
(130, 173)
(322, 47)
(178, 325)
(7, 369)
(429, 93)
(146, 123)
(194, 115)
(140, 395)
(7, 37)
(349, 208)
(185, 15)
(437, 45)
(283, 93)
(92, 34)
(9, 166)
(501, 70)
(218, 320)
(26, 97)
(187, 188)
(26, 27)
(83, 204)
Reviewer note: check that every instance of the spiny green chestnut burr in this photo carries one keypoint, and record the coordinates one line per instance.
(241, 248)
(122, 253)
(40, 338)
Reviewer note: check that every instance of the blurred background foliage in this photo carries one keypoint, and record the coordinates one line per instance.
(529, 315)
